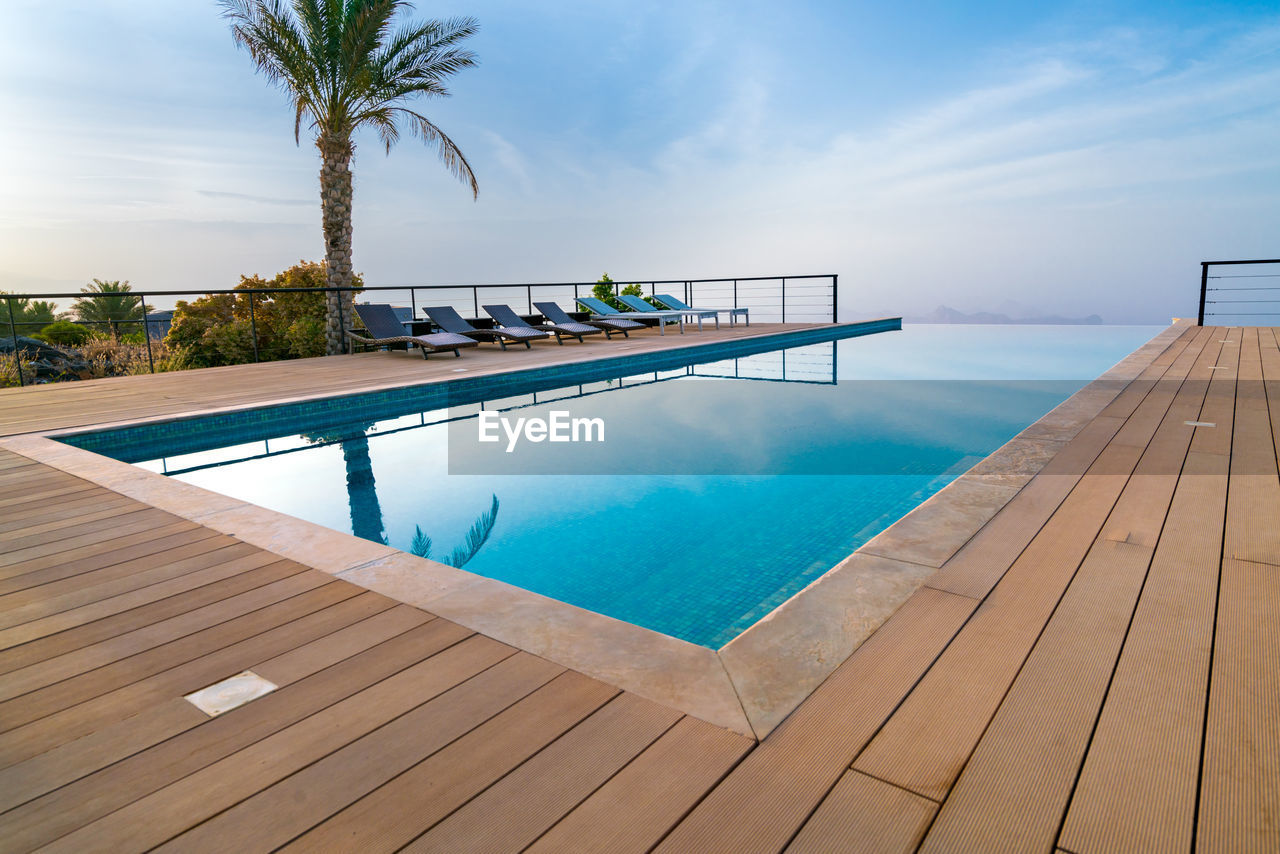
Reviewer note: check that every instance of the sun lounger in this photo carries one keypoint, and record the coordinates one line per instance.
(450, 321)
(559, 317)
(601, 309)
(671, 302)
(640, 304)
(383, 329)
(506, 317)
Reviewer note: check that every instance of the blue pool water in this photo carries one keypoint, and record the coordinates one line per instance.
(721, 489)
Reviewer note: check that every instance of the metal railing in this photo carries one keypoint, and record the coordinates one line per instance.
(810, 298)
(1270, 292)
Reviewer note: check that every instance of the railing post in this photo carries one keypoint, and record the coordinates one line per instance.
(146, 334)
(413, 305)
(342, 327)
(784, 300)
(835, 298)
(253, 326)
(475, 300)
(13, 333)
(528, 292)
(735, 293)
(1204, 287)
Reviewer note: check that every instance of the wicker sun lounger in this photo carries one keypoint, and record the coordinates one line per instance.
(382, 328)
(671, 302)
(601, 309)
(559, 317)
(450, 321)
(640, 304)
(506, 317)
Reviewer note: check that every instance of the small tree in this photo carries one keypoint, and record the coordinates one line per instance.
(218, 329)
(604, 290)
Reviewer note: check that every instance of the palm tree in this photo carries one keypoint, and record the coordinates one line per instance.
(109, 303)
(27, 316)
(345, 64)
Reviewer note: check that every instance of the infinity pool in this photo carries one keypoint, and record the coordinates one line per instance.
(719, 490)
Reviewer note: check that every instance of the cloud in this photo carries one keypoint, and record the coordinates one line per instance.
(246, 197)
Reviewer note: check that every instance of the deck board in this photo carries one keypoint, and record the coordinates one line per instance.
(1031, 752)
(926, 743)
(1241, 766)
(1052, 687)
(81, 785)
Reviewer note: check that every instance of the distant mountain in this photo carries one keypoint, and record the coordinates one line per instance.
(946, 314)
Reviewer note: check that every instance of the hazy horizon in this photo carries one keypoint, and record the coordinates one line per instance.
(1077, 160)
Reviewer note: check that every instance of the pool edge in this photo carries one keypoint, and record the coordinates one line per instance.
(749, 685)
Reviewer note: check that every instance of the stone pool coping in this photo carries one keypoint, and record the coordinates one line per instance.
(750, 684)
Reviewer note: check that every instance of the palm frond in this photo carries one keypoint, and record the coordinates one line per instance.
(450, 155)
(421, 545)
(476, 537)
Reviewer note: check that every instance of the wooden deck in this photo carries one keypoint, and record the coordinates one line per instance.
(1096, 670)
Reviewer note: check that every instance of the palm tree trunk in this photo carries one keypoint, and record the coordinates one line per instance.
(335, 205)
(362, 492)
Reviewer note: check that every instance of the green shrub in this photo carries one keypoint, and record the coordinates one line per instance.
(64, 333)
(603, 290)
(218, 329)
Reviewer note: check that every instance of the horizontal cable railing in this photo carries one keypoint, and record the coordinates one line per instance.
(1240, 295)
(769, 299)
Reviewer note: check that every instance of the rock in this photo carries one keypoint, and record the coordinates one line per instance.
(45, 361)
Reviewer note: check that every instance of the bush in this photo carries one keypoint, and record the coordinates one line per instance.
(218, 329)
(603, 290)
(64, 333)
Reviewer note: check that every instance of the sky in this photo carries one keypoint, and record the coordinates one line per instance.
(1067, 158)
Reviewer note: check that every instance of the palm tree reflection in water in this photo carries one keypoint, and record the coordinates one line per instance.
(366, 511)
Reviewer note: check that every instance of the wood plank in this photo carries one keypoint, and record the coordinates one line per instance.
(51, 493)
(122, 559)
(348, 606)
(519, 808)
(54, 532)
(75, 505)
(925, 744)
(58, 644)
(65, 594)
(125, 601)
(394, 814)
(865, 814)
(152, 757)
(177, 807)
(94, 549)
(766, 799)
(1240, 787)
(636, 808)
(154, 637)
(976, 568)
(1137, 787)
(133, 523)
(1028, 758)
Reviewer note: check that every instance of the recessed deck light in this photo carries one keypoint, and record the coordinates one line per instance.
(1200, 423)
(230, 693)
